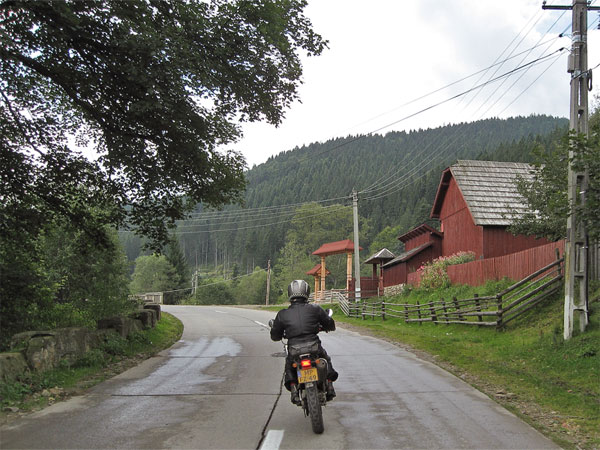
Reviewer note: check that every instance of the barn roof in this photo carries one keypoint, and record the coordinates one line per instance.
(381, 256)
(489, 189)
(409, 254)
(334, 248)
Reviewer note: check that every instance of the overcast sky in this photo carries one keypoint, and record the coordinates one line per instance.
(384, 54)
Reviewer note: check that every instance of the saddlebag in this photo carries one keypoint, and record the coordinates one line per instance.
(303, 348)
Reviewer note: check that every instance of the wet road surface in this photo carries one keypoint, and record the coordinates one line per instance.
(220, 388)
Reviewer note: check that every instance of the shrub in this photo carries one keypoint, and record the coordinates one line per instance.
(434, 274)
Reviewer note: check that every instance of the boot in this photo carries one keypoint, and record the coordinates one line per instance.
(295, 395)
(330, 393)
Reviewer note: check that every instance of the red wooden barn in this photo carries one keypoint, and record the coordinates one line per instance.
(475, 203)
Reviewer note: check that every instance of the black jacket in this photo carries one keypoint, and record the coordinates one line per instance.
(301, 322)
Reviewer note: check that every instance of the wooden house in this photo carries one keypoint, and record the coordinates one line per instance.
(421, 244)
(475, 202)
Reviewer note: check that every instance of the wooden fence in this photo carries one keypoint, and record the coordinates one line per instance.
(496, 310)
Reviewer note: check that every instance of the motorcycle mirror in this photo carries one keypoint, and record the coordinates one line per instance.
(271, 323)
(330, 312)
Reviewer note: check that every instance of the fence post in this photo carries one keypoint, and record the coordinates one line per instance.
(382, 310)
(419, 311)
(445, 310)
(364, 309)
(457, 307)
(499, 305)
(405, 313)
(433, 315)
(560, 266)
(478, 306)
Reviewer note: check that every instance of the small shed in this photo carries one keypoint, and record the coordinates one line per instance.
(475, 202)
(379, 259)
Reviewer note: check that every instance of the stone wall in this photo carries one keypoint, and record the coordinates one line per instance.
(43, 350)
(393, 290)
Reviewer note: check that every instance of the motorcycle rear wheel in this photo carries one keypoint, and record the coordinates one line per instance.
(314, 409)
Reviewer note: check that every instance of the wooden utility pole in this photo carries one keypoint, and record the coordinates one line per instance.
(576, 247)
(268, 282)
(356, 247)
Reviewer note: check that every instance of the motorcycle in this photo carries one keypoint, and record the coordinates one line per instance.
(311, 371)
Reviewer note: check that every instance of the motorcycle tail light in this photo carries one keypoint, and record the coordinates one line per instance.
(305, 363)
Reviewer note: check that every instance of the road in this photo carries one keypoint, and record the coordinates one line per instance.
(220, 388)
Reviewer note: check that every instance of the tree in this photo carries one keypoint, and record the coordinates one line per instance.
(388, 238)
(91, 281)
(157, 88)
(153, 273)
(176, 258)
(60, 279)
(218, 293)
(546, 193)
(251, 289)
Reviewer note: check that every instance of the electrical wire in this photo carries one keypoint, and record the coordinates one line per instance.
(498, 65)
(218, 282)
(340, 207)
(247, 220)
(396, 187)
(512, 71)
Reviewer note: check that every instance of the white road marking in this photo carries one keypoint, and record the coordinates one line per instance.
(221, 312)
(272, 440)
(261, 324)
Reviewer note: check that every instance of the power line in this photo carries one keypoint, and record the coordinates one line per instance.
(247, 220)
(340, 207)
(217, 282)
(482, 71)
(373, 187)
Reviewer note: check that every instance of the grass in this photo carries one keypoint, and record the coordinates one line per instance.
(527, 367)
(36, 390)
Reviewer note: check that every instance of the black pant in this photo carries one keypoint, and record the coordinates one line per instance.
(290, 372)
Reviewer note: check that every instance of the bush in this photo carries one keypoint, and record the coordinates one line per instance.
(434, 274)
(213, 294)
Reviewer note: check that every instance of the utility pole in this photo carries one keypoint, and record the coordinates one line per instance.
(576, 247)
(268, 282)
(356, 247)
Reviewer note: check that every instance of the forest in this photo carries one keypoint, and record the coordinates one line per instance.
(301, 198)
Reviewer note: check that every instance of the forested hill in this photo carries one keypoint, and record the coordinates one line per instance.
(396, 174)
(401, 168)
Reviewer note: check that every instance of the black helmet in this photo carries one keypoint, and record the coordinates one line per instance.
(298, 289)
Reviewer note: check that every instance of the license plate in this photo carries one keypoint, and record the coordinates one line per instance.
(308, 375)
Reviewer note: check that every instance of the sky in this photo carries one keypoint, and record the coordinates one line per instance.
(388, 61)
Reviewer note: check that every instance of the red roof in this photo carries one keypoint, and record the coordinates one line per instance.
(335, 248)
(317, 271)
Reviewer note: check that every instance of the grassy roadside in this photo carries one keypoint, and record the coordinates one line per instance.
(37, 390)
(528, 368)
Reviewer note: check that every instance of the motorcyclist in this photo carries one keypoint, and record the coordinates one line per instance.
(300, 323)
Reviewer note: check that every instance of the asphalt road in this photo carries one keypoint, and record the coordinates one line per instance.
(220, 388)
